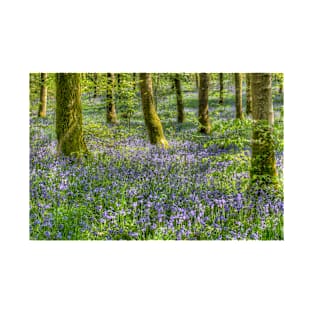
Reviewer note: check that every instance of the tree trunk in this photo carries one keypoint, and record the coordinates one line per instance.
(152, 120)
(248, 94)
(43, 95)
(197, 81)
(96, 84)
(281, 88)
(221, 101)
(179, 98)
(134, 81)
(263, 168)
(111, 113)
(69, 128)
(204, 121)
(238, 86)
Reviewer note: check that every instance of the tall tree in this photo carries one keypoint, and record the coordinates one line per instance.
(43, 95)
(111, 113)
(238, 86)
(248, 94)
(134, 81)
(118, 80)
(96, 84)
(281, 86)
(221, 77)
(179, 98)
(152, 120)
(69, 128)
(197, 80)
(205, 126)
(263, 166)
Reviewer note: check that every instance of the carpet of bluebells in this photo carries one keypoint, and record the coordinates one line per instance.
(128, 189)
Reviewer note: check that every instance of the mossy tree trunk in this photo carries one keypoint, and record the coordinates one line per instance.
(263, 168)
(69, 128)
(43, 95)
(205, 126)
(152, 120)
(111, 113)
(238, 86)
(248, 94)
(221, 77)
(179, 98)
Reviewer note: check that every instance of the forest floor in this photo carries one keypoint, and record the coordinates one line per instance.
(129, 189)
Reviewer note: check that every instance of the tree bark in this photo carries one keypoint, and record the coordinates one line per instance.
(221, 101)
(134, 81)
(96, 85)
(238, 86)
(248, 94)
(43, 95)
(111, 113)
(69, 128)
(263, 168)
(152, 120)
(204, 121)
(281, 88)
(197, 80)
(179, 98)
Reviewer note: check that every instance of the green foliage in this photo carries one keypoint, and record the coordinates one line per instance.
(233, 134)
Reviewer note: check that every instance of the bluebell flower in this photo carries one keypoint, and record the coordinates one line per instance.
(254, 236)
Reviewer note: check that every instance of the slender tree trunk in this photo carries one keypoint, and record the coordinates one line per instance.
(152, 120)
(263, 168)
(248, 94)
(281, 89)
(69, 128)
(197, 81)
(205, 126)
(96, 84)
(111, 113)
(118, 85)
(238, 86)
(179, 98)
(221, 101)
(43, 95)
(134, 81)
(281, 86)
